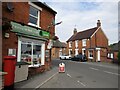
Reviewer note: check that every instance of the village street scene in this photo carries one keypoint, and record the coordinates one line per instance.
(58, 44)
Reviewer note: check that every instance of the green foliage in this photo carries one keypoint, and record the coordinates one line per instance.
(119, 55)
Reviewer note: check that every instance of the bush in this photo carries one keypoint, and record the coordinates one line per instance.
(118, 56)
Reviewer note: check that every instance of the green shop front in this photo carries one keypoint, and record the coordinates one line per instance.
(31, 49)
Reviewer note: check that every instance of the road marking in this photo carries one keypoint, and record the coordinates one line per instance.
(111, 73)
(69, 75)
(81, 83)
(45, 81)
(94, 68)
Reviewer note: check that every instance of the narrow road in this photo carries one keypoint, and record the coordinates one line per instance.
(84, 75)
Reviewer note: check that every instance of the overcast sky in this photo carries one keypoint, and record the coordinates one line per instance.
(83, 14)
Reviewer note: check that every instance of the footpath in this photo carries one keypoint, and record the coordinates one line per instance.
(37, 81)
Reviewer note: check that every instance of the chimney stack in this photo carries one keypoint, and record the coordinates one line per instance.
(75, 31)
(98, 23)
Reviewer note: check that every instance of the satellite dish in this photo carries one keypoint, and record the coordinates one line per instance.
(10, 6)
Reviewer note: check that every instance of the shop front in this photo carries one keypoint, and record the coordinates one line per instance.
(31, 48)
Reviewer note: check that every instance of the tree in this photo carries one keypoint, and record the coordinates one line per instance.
(118, 56)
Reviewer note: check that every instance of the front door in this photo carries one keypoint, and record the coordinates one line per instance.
(98, 55)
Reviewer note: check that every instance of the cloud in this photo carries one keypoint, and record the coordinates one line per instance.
(84, 15)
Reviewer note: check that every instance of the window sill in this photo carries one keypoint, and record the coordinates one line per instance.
(31, 24)
(90, 57)
(36, 65)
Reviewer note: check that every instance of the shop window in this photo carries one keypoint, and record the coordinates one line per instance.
(34, 16)
(31, 53)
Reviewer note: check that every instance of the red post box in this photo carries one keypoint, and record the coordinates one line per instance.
(9, 67)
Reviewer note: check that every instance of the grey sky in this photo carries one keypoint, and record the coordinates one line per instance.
(83, 14)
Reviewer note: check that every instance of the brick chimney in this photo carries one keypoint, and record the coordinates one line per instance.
(98, 23)
(75, 31)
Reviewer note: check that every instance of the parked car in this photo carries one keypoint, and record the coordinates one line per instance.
(65, 57)
(79, 57)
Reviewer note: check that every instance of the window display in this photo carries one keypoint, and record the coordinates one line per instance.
(31, 53)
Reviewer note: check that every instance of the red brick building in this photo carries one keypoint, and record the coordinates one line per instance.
(26, 30)
(58, 49)
(91, 42)
(113, 52)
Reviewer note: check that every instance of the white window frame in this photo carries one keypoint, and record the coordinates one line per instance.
(89, 54)
(70, 44)
(38, 18)
(83, 49)
(76, 51)
(20, 39)
(76, 43)
(70, 51)
(84, 42)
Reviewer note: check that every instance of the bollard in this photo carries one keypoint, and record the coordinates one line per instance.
(61, 67)
(9, 67)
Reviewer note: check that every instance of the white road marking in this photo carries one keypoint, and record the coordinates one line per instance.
(45, 81)
(69, 75)
(111, 73)
(81, 83)
(94, 68)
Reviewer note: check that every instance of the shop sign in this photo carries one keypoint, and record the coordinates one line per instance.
(44, 33)
(23, 29)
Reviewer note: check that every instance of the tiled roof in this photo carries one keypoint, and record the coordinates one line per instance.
(83, 34)
(58, 44)
(41, 4)
(64, 44)
(115, 47)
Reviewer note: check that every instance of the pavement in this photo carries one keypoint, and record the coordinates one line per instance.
(37, 81)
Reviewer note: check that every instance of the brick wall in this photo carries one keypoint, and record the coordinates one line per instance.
(46, 20)
(9, 43)
(101, 39)
(80, 46)
(20, 13)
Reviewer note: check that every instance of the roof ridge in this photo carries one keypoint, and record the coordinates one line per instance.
(83, 34)
(88, 29)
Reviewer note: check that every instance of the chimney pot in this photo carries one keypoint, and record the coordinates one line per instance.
(98, 23)
(75, 31)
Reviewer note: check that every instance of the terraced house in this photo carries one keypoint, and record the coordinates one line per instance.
(91, 42)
